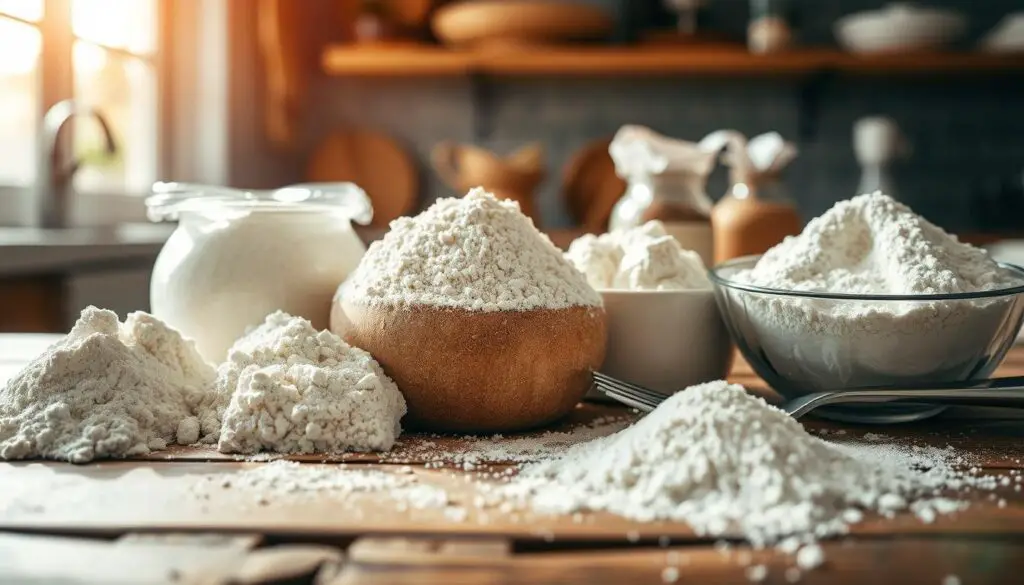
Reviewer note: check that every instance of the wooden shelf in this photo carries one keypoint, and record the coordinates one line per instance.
(346, 60)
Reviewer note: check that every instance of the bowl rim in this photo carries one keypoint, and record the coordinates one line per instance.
(678, 291)
(720, 281)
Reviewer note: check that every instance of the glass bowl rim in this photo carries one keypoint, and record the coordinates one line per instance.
(720, 281)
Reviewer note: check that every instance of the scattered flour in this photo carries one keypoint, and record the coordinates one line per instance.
(873, 244)
(475, 253)
(729, 464)
(640, 258)
(109, 389)
(288, 480)
(293, 389)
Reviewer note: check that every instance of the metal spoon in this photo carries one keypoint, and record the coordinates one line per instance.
(1005, 392)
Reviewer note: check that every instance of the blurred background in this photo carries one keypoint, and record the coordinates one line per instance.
(415, 99)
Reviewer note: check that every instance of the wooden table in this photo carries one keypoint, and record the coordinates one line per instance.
(143, 521)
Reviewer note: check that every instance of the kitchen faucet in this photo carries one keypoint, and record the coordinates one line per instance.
(53, 175)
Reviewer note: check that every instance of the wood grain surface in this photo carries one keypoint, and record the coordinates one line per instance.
(170, 524)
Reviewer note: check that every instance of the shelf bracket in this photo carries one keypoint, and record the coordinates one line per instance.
(808, 98)
(483, 95)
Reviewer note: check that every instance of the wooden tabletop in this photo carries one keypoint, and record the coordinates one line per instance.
(150, 521)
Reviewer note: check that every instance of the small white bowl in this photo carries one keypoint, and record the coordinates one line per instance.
(899, 27)
(665, 340)
(1007, 36)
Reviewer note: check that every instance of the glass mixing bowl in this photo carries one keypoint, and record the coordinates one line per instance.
(802, 342)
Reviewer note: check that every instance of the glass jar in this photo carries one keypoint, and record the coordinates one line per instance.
(238, 256)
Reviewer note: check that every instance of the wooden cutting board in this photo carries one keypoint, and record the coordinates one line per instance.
(375, 162)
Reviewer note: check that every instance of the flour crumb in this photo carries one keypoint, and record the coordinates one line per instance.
(669, 575)
(951, 580)
(294, 389)
(793, 575)
(757, 573)
(289, 482)
(475, 253)
(108, 389)
(810, 557)
(640, 258)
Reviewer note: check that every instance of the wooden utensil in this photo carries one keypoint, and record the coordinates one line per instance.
(519, 22)
(590, 186)
(373, 161)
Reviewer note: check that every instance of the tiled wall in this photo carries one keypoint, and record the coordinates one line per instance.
(964, 129)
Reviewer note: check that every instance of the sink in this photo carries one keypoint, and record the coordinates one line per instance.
(124, 234)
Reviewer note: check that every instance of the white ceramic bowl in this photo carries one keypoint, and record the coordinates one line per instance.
(665, 340)
(1007, 36)
(899, 27)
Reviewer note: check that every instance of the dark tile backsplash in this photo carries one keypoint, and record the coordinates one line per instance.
(967, 131)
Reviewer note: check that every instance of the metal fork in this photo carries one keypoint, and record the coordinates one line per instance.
(1006, 392)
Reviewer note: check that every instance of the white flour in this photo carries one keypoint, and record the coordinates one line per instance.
(294, 389)
(872, 244)
(728, 464)
(640, 258)
(289, 481)
(109, 389)
(474, 253)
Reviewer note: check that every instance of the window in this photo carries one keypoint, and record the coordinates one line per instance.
(102, 53)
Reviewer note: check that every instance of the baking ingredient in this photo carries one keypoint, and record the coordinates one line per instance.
(729, 464)
(473, 253)
(873, 244)
(289, 481)
(869, 245)
(224, 269)
(640, 258)
(292, 389)
(108, 389)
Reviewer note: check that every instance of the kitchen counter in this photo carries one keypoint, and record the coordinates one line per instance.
(57, 251)
(141, 521)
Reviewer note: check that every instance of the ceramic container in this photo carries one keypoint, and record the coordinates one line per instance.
(237, 256)
(899, 27)
(665, 340)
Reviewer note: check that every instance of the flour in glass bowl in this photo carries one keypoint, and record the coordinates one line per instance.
(874, 245)
(476, 253)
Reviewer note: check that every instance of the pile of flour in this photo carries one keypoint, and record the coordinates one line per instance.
(109, 389)
(640, 258)
(292, 389)
(729, 464)
(873, 244)
(474, 253)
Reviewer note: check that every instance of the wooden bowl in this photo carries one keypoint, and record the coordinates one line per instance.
(471, 371)
(519, 22)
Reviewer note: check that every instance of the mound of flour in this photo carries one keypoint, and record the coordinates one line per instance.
(292, 389)
(641, 258)
(475, 253)
(109, 389)
(872, 244)
(729, 464)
